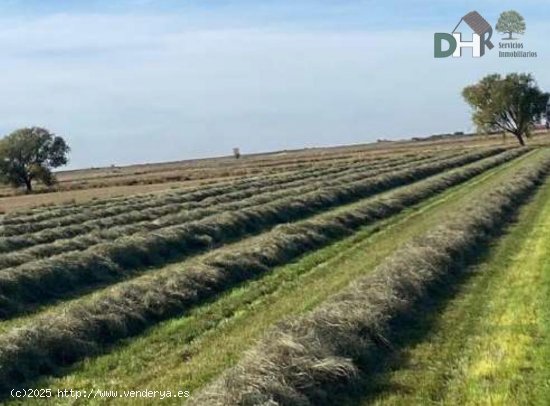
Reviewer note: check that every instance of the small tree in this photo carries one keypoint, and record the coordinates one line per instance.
(510, 22)
(510, 104)
(30, 154)
(236, 153)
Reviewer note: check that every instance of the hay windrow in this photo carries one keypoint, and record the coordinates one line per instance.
(40, 281)
(343, 332)
(49, 341)
(79, 232)
(16, 225)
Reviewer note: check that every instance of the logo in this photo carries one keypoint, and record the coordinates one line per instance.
(481, 38)
(509, 23)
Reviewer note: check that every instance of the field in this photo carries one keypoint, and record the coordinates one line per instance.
(80, 186)
(388, 274)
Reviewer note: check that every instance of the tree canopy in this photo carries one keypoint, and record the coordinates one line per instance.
(30, 154)
(510, 22)
(510, 104)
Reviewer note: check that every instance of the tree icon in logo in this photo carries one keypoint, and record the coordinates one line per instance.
(510, 22)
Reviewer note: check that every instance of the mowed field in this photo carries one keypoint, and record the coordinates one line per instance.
(79, 186)
(399, 273)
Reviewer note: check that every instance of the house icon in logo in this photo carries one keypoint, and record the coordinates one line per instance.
(481, 38)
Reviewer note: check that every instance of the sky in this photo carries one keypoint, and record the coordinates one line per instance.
(135, 81)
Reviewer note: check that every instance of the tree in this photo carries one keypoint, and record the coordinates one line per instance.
(236, 153)
(510, 22)
(509, 104)
(30, 154)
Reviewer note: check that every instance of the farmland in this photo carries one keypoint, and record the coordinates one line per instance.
(400, 273)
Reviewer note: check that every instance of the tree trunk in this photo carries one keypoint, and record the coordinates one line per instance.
(510, 35)
(28, 185)
(520, 139)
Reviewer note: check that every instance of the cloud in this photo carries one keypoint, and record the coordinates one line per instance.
(133, 88)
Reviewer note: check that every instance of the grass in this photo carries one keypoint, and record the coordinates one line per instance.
(80, 328)
(42, 281)
(12, 204)
(213, 336)
(310, 359)
(490, 344)
(150, 175)
(77, 232)
(133, 208)
(242, 314)
(18, 203)
(502, 363)
(497, 172)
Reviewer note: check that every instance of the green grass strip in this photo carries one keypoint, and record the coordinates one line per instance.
(491, 342)
(213, 336)
(309, 359)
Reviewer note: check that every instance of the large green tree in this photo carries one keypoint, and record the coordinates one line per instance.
(510, 104)
(510, 22)
(30, 154)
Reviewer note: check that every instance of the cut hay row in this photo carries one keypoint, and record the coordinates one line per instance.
(53, 241)
(37, 215)
(187, 174)
(64, 335)
(79, 237)
(42, 280)
(310, 159)
(489, 342)
(308, 360)
(43, 213)
(171, 201)
(172, 175)
(155, 206)
(228, 167)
